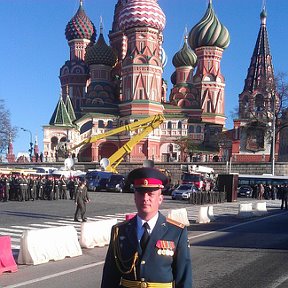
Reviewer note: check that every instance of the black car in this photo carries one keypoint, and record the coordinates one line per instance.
(97, 180)
(245, 191)
(115, 183)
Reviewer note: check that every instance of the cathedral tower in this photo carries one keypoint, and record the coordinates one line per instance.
(142, 22)
(208, 39)
(80, 32)
(251, 130)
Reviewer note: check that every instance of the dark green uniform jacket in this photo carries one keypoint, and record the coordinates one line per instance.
(166, 257)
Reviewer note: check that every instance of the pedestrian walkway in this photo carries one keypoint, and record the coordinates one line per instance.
(227, 209)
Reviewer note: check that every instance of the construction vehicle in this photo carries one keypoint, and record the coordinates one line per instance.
(144, 127)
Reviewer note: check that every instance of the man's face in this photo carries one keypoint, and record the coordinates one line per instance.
(148, 203)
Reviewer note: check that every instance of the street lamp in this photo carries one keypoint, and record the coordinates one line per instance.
(31, 143)
(273, 135)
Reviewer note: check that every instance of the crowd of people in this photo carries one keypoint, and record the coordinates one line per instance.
(20, 187)
(271, 192)
(268, 192)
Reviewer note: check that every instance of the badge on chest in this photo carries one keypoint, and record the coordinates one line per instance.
(165, 248)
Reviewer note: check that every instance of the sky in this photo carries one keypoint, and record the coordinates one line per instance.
(33, 49)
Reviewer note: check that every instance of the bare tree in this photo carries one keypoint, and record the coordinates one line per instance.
(7, 132)
(186, 147)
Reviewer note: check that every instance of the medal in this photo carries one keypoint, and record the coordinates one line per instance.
(165, 247)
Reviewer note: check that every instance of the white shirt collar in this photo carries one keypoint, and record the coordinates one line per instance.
(151, 223)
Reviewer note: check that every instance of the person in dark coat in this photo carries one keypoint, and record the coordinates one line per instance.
(284, 197)
(164, 259)
(81, 198)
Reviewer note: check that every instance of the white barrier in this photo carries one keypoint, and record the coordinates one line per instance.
(211, 213)
(179, 215)
(260, 209)
(96, 234)
(245, 210)
(42, 245)
(203, 215)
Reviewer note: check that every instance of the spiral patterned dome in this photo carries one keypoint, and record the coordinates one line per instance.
(163, 57)
(100, 53)
(209, 32)
(142, 13)
(185, 57)
(80, 27)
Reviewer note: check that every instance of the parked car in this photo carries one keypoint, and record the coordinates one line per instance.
(97, 180)
(115, 183)
(183, 191)
(245, 191)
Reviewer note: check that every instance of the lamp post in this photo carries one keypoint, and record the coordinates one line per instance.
(273, 135)
(31, 143)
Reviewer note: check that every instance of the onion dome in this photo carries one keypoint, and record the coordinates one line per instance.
(185, 57)
(100, 53)
(263, 16)
(163, 56)
(209, 31)
(173, 78)
(80, 27)
(142, 13)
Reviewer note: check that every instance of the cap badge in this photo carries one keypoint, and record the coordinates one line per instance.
(145, 182)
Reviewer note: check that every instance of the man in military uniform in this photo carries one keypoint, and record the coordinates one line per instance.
(81, 198)
(148, 250)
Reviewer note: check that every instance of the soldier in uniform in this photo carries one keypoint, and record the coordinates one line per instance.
(7, 184)
(56, 188)
(63, 187)
(81, 198)
(149, 250)
(21, 182)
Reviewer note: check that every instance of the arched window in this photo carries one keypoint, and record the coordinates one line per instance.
(85, 127)
(191, 129)
(209, 106)
(245, 103)
(259, 103)
(54, 142)
(100, 124)
(198, 129)
(169, 125)
(110, 124)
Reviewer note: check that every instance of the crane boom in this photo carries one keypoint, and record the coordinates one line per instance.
(146, 126)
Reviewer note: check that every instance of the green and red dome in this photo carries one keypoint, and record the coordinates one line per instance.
(209, 32)
(80, 27)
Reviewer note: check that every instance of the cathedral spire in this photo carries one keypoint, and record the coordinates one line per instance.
(101, 25)
(260, 72)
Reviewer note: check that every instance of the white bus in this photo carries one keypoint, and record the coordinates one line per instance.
(265, 179)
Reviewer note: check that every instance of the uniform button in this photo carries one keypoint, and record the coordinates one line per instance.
(143, 262)
(144, 285)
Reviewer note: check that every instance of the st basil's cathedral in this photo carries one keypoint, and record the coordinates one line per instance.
(105, 86)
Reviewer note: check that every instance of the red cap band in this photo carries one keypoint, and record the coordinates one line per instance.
(148, 182)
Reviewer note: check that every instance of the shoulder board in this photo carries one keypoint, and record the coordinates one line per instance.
(174, 222)
(121, 223)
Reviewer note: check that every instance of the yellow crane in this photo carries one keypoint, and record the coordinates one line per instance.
(145, 126)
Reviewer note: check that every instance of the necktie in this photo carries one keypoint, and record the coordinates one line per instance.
(145, 237)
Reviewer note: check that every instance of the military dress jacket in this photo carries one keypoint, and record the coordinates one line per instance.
(165, 259)
(81, 196)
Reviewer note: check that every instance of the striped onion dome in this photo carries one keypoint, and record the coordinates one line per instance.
(80, 27)
(164, 58)
(209, 31)
(142, 13)
(185, 57)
